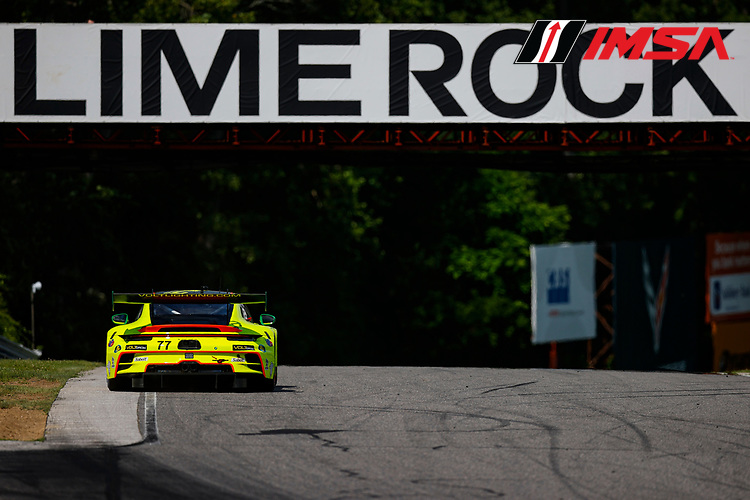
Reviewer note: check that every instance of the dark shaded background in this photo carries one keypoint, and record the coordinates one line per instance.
(392, 264)
(367, 260)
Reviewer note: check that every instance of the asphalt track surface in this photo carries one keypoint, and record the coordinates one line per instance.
(364, 432)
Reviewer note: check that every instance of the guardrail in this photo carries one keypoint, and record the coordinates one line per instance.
(12, 350)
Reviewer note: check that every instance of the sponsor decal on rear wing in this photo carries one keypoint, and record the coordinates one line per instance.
(189, 297)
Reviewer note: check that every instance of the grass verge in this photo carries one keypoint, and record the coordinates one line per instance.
(34, 384)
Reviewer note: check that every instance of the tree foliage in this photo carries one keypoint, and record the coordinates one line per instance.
(369, 11)
(10, 328)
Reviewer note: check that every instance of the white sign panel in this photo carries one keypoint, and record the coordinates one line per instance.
(727, 276)
(563, 293)
(729, 294)
(375, 73)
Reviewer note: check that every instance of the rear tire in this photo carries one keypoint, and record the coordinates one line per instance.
(269, 384)
(118, 384)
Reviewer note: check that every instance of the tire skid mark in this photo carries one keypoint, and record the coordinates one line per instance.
(469, 491)
(313, 433)
(733, 430)
(653, 393)
(501, 388)
(643, 439)
(576, 488)
(393, 409)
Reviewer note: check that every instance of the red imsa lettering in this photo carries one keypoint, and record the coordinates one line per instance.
(635, 44)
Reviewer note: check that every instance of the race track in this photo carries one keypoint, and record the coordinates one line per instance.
(359, 432)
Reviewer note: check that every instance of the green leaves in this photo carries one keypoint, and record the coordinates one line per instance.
(493, 271)
(196, 11)
(10, 328)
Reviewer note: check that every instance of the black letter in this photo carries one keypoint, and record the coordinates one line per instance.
(433, 82)
(291, 72)
(26, 102)
(574, 92)
(200, 101)
(666, 75)
(480, 78)
(111, 73)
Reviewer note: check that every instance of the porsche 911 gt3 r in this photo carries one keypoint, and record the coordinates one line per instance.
(187, 332)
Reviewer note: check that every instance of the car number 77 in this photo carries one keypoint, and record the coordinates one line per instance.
(164, 343)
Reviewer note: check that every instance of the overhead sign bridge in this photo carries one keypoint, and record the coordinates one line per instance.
(553, 86)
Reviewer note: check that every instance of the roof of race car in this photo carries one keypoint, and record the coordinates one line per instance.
(189, 296)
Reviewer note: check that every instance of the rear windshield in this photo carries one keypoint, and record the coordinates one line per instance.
(186, 314)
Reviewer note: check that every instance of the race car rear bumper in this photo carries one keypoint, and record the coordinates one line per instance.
(161, 379)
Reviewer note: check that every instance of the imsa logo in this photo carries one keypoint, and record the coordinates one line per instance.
(666, 41)
(550, 42)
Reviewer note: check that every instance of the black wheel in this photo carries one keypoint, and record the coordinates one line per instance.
(118, 384)
(268, 385)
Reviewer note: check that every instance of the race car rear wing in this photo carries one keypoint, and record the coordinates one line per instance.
(189, 297)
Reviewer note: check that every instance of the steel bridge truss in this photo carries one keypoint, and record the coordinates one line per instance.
(381, 137)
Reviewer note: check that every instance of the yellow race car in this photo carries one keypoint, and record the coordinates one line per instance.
(192, 332)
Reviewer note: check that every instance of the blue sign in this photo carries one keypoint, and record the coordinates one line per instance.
(558, 290)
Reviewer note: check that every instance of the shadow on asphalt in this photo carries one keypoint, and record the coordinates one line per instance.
(83, 473)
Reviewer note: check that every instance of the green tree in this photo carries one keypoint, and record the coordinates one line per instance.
(498, 268)
(370, 11)
(10, 328)
(197, 11)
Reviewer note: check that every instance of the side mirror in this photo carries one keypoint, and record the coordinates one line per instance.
(267, 319)
(120, 319)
